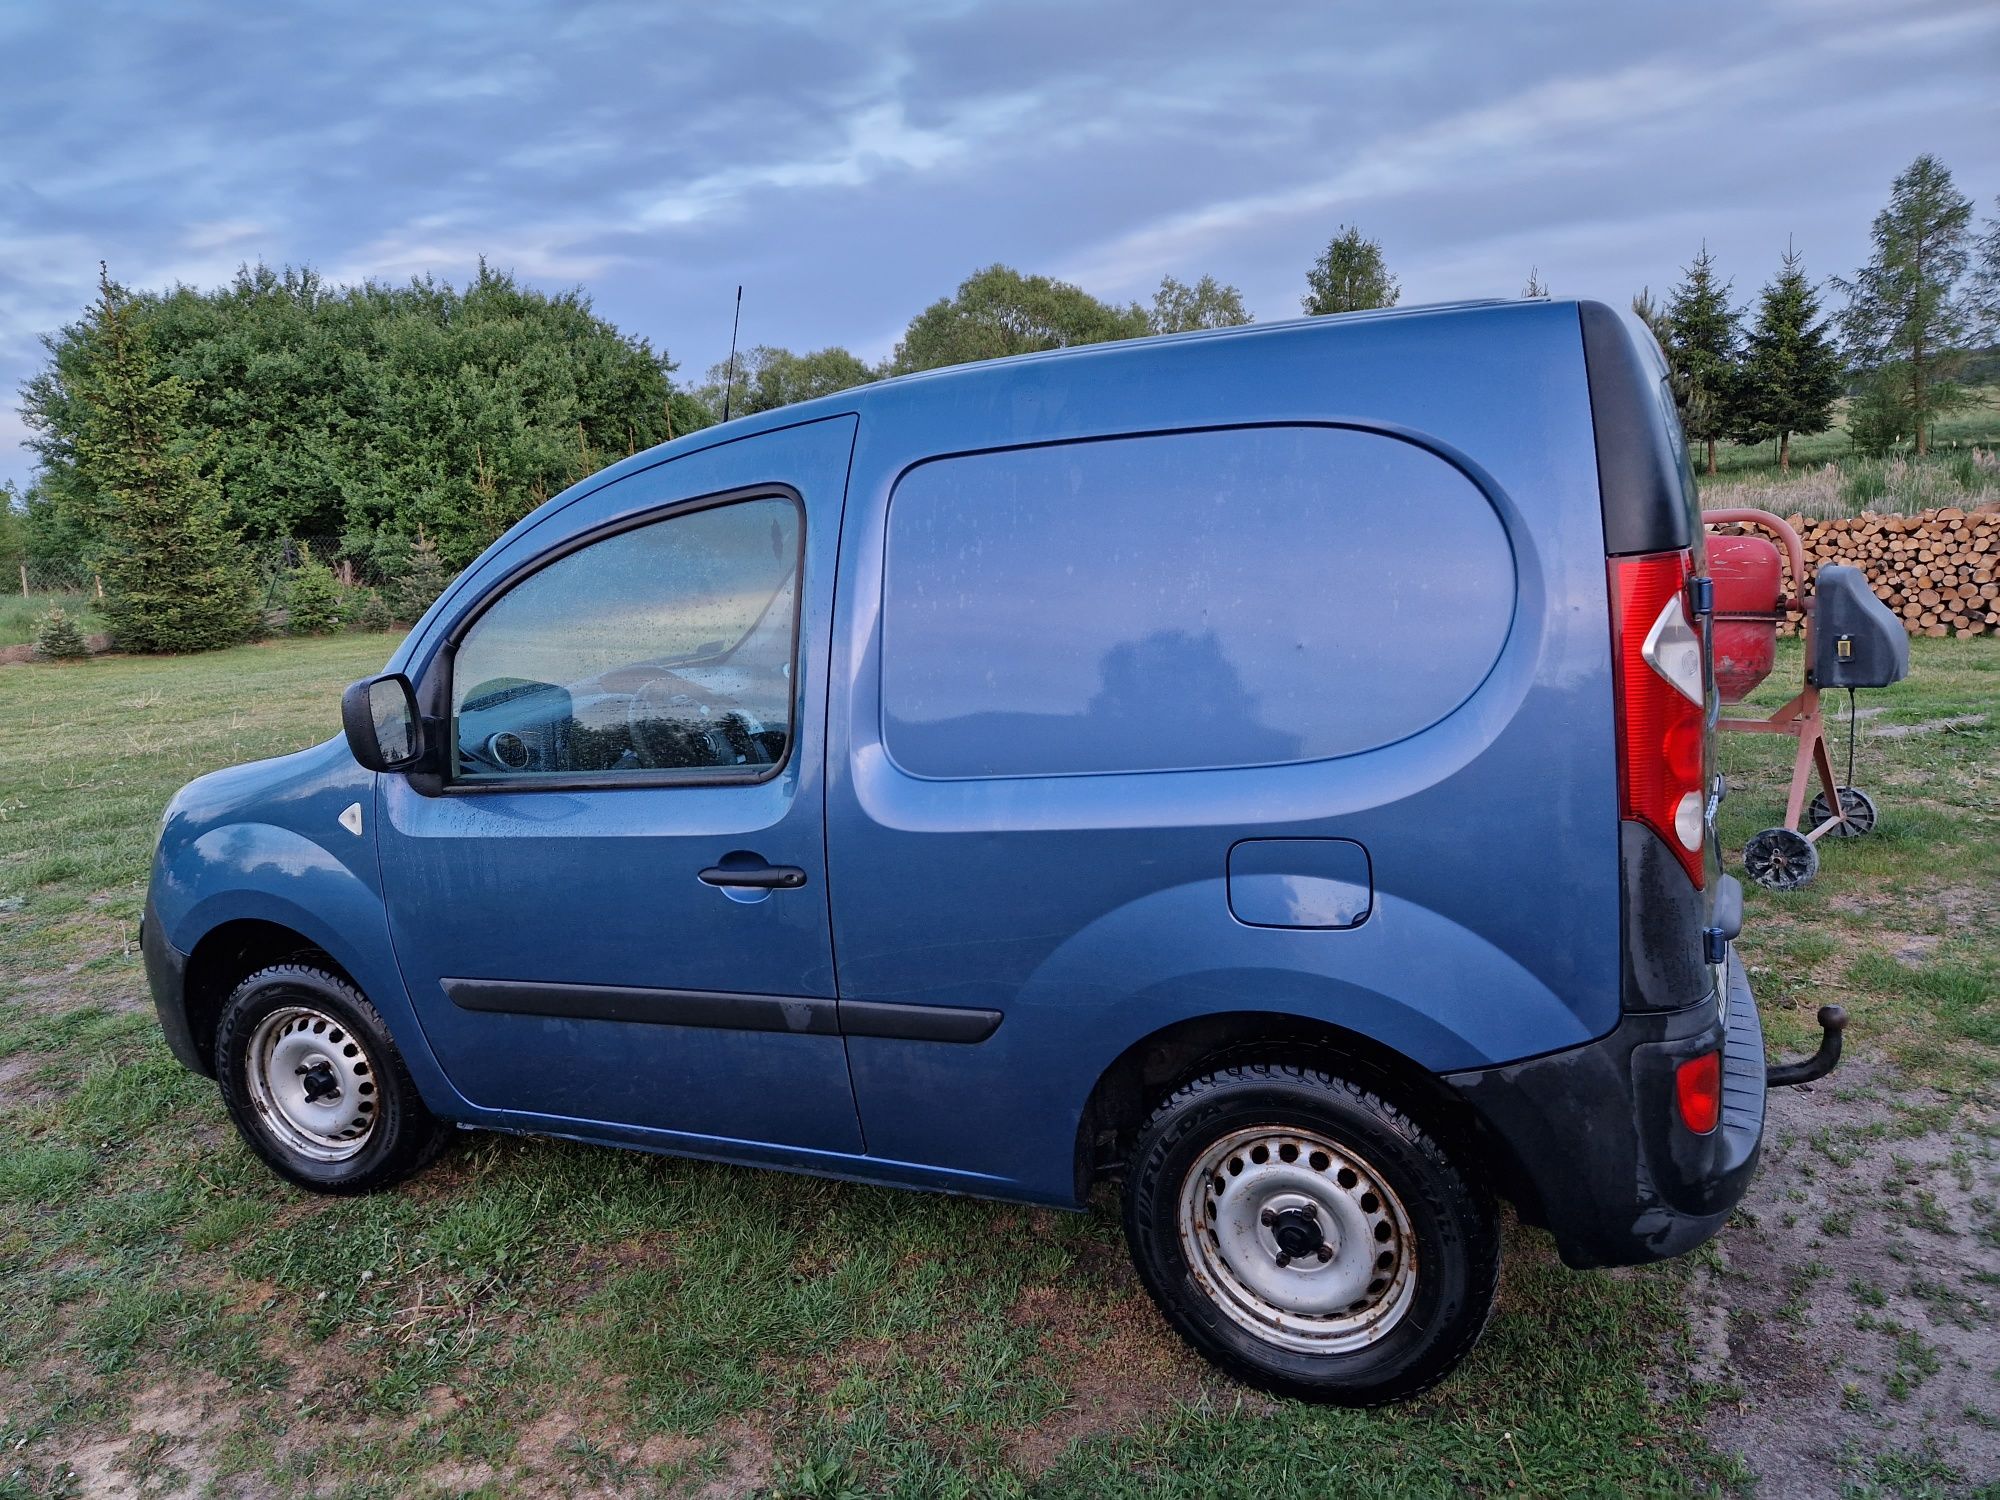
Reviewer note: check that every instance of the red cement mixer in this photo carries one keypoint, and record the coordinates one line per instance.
(1851, 640)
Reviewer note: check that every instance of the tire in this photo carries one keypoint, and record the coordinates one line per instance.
(1400, 1283)
(1857, 814)
(316, 1086)
(1781, 859)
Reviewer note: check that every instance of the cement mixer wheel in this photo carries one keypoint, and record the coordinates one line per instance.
(1857, 813)
(1780, 859)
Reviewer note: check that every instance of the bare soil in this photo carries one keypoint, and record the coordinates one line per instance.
(1857, 1307)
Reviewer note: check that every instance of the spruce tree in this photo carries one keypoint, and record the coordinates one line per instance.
(1904, 319)
(175, 577)
(1792, 374)
(1349, 276)
(1701, 348)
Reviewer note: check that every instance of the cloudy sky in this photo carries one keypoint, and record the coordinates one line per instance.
(849, 162)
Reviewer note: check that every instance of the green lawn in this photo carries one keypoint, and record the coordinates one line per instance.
(533, 1317)
(18, 615)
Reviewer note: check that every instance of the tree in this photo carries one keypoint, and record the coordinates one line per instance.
(1791, 372)
(1534, 287)
(1877, 420)
(58, 637)
(768, 377)
(1178, 307)
(174, 575)
(371, 410)
(312, 596)
(1903, 318)
(998, 311)
(1701, 349)
(1348, 276)
(1649, 312)
(1984, 293)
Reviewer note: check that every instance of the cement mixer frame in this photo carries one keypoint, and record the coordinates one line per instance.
(1784, 858)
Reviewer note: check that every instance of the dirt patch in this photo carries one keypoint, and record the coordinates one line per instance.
(1858, 1303)
(1927, 726)
(17, 1089)
(1115, 1356)
(164, 1449)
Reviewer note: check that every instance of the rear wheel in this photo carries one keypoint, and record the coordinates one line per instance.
(1781, 859)
(1857, 813)
(1308, 1236)
(315, 1085)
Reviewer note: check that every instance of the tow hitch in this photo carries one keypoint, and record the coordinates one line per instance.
(1832, 1022)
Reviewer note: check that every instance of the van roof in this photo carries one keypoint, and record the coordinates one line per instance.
(859, 398)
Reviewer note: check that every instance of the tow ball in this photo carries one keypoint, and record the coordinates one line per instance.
(1832, 1022)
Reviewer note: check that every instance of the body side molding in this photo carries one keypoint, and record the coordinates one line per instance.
(728, 1010)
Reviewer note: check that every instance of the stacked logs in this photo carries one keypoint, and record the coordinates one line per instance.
(1939, 570)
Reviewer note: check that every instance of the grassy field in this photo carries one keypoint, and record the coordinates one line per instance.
(535, 1318)
(18, 615)
(1963, 469)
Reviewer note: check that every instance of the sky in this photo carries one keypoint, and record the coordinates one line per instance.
(850, 163)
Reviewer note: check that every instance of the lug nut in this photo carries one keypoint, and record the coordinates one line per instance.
(1268, 1217)
(1284, 1259)
(1325, 1254)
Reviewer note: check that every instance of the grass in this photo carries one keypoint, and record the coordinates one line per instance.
(533, 1317)
(18, 615)
(1975, 424)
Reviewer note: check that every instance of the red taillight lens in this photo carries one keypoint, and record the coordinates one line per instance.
(1698, 1088)
(1662, 723)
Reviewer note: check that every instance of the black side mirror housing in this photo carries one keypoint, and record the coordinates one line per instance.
(384, 730)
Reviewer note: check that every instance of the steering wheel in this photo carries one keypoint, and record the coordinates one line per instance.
(673, 726)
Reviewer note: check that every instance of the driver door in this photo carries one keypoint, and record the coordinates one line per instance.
(614, 908)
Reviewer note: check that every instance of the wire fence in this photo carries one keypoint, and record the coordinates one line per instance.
(69, 578)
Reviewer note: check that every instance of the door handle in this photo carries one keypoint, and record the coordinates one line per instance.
(755, 877)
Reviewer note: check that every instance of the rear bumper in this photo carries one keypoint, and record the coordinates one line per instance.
(1599, 1153)
(166, 976)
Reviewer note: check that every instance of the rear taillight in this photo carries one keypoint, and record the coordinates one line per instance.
(1662, 721)
(1698, 1091)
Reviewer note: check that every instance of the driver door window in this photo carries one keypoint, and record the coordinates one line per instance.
(662, 652)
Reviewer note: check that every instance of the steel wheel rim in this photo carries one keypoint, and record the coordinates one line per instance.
(313, 1083)
(1248, 1206)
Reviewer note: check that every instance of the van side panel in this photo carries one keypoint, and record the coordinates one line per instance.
(1091, 910)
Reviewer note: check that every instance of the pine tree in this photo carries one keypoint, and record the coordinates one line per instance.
(312, 596)
(1791, 372)
(175, 578)
(1984, 294)
(1349, 276)
(420, 580)
(1701, 348)
(57, 636)
(1904, 318)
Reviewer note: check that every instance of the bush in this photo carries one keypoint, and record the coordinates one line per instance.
(368, 610)
(312, 596)
(57, 636)
(418, 582)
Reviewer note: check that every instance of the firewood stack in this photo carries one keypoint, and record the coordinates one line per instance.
(1939, 569)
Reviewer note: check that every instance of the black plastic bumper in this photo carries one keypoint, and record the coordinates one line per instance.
(1594, 1134)
(166, 976)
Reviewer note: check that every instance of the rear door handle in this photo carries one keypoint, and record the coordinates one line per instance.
(755, 877)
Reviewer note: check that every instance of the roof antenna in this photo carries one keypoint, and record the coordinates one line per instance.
(729, 389)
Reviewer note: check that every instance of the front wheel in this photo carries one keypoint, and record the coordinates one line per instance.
(315, 1085)
(1308, 1236)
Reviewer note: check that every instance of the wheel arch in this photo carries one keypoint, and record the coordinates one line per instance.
(229, 953)
(1134, 1083)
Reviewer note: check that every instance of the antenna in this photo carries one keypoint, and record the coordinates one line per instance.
(729, 388)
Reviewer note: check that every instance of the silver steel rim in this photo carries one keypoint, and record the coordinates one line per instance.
(313, 1083)
(1298, 1239)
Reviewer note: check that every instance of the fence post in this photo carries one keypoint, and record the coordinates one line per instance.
(24, 580)
(98, 579)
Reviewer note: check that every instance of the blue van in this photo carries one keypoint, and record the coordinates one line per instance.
(1272, 767)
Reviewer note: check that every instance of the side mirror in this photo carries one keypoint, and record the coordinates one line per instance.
(384, 730)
